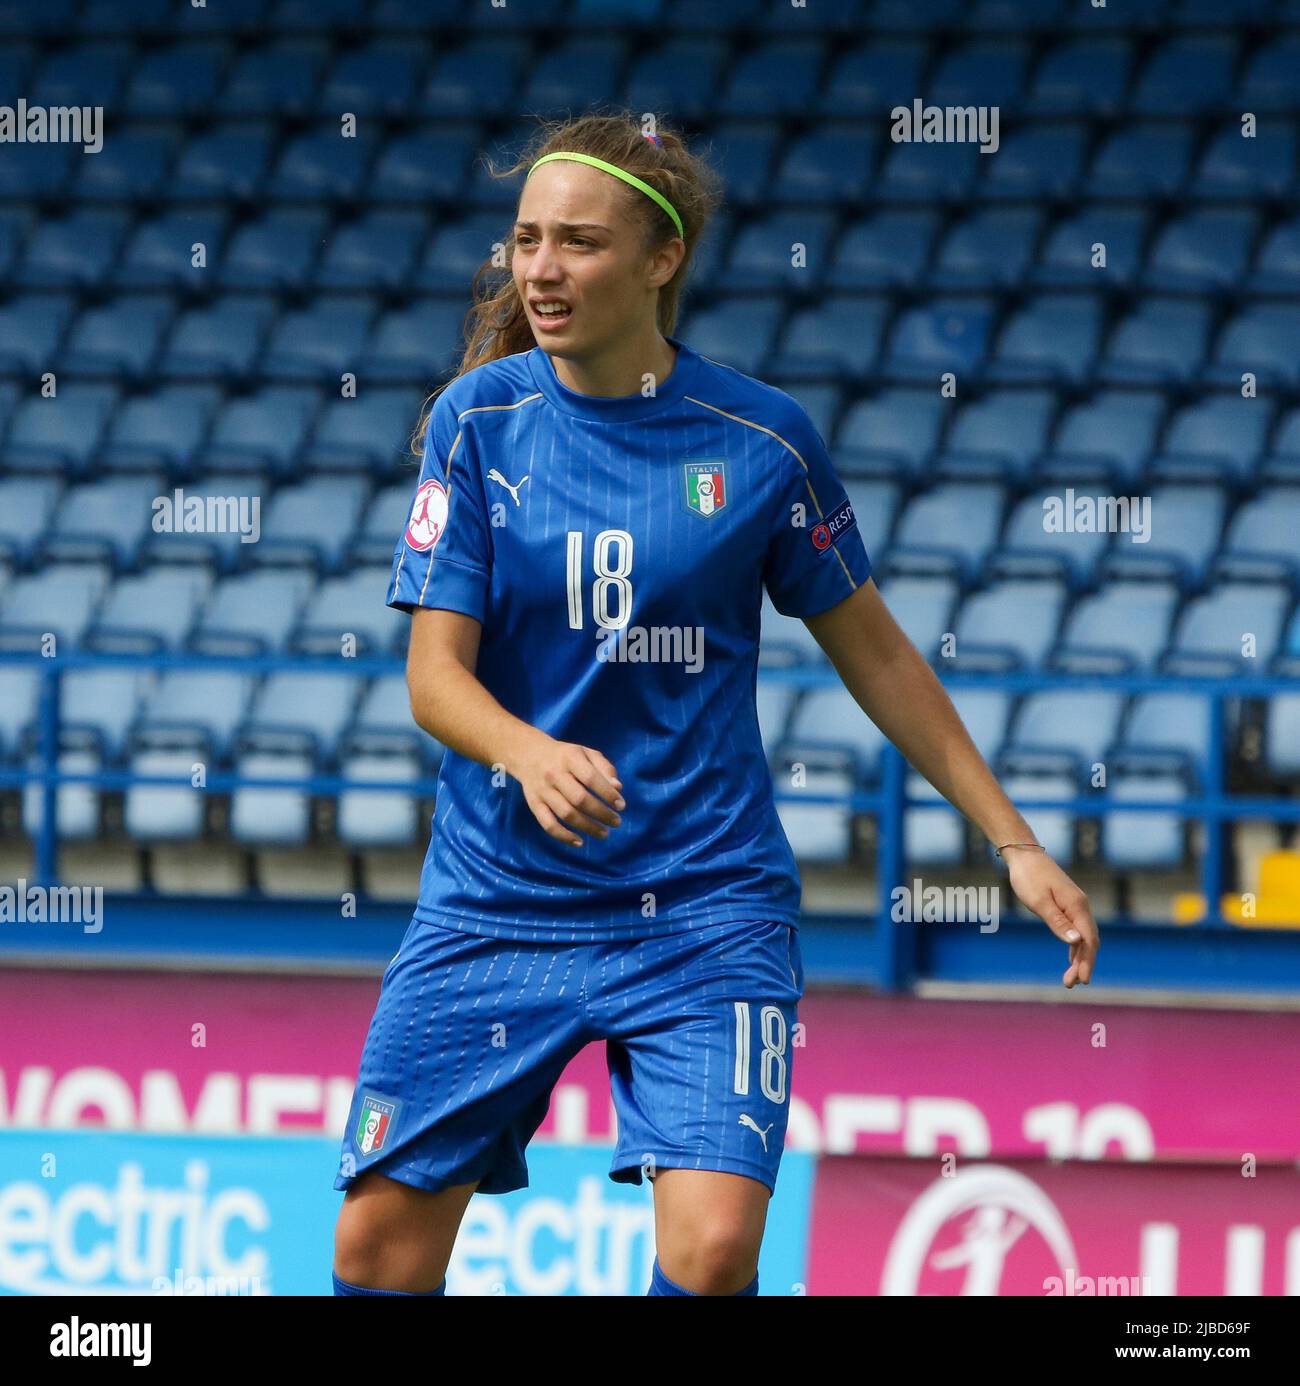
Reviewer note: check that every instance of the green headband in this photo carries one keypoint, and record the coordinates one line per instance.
(627, 177)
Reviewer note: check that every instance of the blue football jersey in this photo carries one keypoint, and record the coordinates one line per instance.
(615, 551)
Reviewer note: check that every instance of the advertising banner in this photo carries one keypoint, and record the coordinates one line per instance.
(224, 1054)
(131, 1214)
(1078, 1228)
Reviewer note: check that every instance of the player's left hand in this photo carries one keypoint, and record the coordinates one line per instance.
(1062, 906)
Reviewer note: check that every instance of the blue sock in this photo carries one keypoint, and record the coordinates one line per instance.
(661, 1285)
(342, 1287)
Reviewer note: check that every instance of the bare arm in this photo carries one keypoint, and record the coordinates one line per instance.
(892, 683)
(568, 787)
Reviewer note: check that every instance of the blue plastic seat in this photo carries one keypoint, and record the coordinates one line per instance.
(225, 339)
(375, 428)
(1261, 540)
(1009, 624)
(76, 250)
(1186, 75)
(1078, 723)
(104, 519)
(1268, 84)
(226, 164)
(319, 168)
(103, 702)
(272, 816)
(1242, 170)
(1084, 76)
(430, 166)
(1147, 841)
(939, 336)
(777, 78)
(761, 256)
(1066, 259)
(1210, 630)
(149, 612)
(1142, 159)
(26, 508)
(278, 251)
(264, 429)
(985, 713)
(82, 74)
(1164, 723)
(1114, 431)
(1037, 161)
(932, 836)
(1004, 432)
(830, 718)
(955, 523)
(160, 253)
(311, 522)
(681, 76)
(830, 165)
(385, 712)
(744, 153)
(1221, 437)
(738, 331)
(120, 339)
(348, 615)
(923, 607)
(820, 834)
(217, 519)
(163, 428)
(480, 75)
(1277, 265)
(570, 72)
(378, 79)
(841, 337)
(1162, 342)
(873, 77)
(306, 708)
(992, 246)
(418, 343)
(1202, 251)
(77, 806)
(59, 599)
(928, 174)
(177, 80)
(275, 79)
(1260, 339)
(875, 506)
(1030, 545)
(1130, 620)
(895, 431)
(30, 328)
(198, 708)
(1053, 340)
(132, 166)
(378, 252)
(164, 813)
(981, 72)
(379, 818)
(65, 432)
(887, 249)
(320, 342)
(252, 613)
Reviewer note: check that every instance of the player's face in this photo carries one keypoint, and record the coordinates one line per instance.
(576, 245)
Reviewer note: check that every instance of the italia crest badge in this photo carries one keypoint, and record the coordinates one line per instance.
(706, 487)
(373, 1125)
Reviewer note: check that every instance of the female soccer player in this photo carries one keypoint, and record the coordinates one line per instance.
(598, 511)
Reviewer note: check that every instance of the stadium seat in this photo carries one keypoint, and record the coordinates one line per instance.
(302, 708)
(830, 719)
(311, 522)
(252, 613)
(200, 709)
(274, 815)
(949, 528)
(348, 615)
(933, 837)
(102, 703)
(164, 813)
(1125, 623)
(77, 806)
(1079, 725)
(379, 818)
(1008, 625)
(149, 613)
(1147, 841)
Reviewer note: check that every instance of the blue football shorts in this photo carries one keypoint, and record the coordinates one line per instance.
(471, 1034)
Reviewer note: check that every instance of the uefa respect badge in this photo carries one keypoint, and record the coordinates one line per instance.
(374, 1124)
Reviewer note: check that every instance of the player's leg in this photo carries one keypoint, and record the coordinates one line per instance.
(393, 1236)
(708, 1230)
(700, 1027)
(469, 1036)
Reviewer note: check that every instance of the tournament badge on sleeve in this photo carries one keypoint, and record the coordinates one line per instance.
(706, 491)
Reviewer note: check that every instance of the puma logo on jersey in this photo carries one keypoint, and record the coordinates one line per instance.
(496, 476)
(747, 1120)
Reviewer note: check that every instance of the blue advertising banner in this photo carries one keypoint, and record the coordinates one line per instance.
(123, 1213)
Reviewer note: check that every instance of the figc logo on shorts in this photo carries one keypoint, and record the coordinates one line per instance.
(428, 516)
(373, 1125)
(706, 491)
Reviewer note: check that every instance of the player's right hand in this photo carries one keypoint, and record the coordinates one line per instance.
(570, 789)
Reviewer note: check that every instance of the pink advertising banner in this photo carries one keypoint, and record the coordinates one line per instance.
(897, 1076)
(1083, 1228)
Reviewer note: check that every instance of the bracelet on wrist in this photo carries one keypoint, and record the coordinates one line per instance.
(1034, 846)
